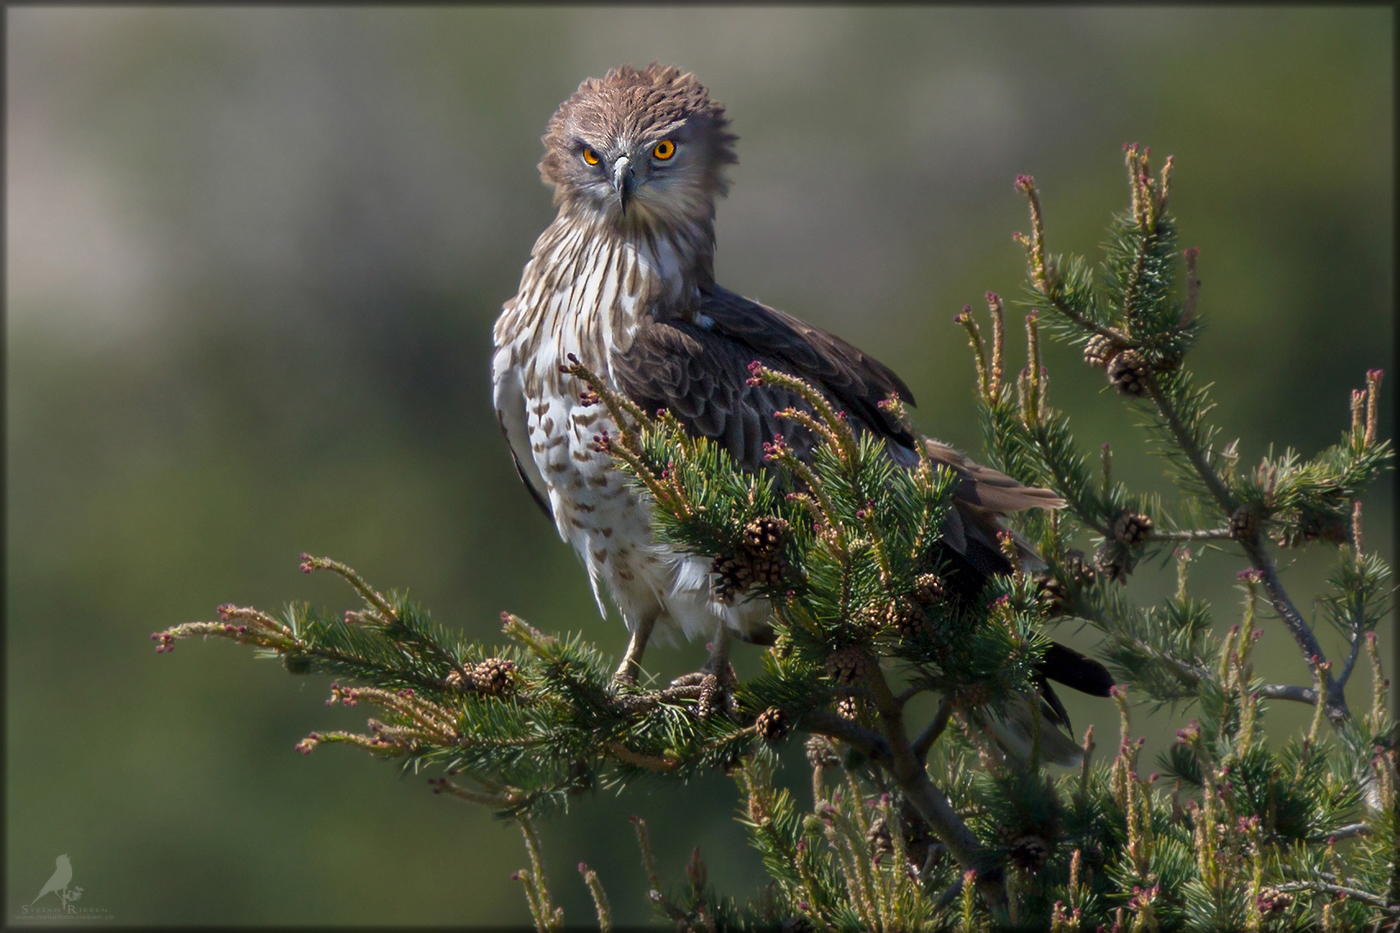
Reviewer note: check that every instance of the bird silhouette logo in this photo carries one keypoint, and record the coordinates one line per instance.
(58, 883)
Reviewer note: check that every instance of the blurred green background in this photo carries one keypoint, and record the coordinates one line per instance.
(253, 261)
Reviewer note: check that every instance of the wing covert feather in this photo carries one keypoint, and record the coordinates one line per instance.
(699, 369)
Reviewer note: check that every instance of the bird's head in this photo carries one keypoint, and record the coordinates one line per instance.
(641, 149)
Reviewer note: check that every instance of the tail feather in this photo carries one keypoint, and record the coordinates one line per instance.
(1015, 726)
(1066, 666)
(987, 488)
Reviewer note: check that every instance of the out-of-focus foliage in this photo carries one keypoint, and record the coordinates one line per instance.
(253, 260)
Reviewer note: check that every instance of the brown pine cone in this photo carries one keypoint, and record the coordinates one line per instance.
(733, 576)
(847, 708)
(494, 676)
(1128, 372)
(929, 588)
(782, 647)
(908, 617)
(1329, 528)
(772, 725)
(871, 620)
(1078, 568)
(1131, 528)
(878, 838)
(737, 572)
(1054, 594)
(846, 665)
(974, 695)
(1099, 350)
(580, 777)
(1273, 901)
(1110, 564)
(821, 753)
(708, 701)
(767, 571)
(1244, 523)
(766, 535)
(1168, 362)
(1029, 853)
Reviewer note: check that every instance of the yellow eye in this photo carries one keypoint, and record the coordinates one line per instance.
(590, 156)
(664, 150)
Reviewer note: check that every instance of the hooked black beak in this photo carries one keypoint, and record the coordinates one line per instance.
(624, 181)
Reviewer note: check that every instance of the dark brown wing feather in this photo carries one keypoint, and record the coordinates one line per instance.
(701, 377)
(981, 499)
(699, 369)
(856, 381)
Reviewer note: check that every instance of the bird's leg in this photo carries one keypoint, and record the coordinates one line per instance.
(716, 679)
(718, 664)
(631, 664)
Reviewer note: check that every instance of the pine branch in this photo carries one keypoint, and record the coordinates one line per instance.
(1150, 325)
(934, 729)
(1193, 534)
(1287, 692)
(1259, 557)
(930, 827)
(1330, 888)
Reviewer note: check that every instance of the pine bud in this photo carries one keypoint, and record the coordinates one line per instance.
(1128, 372)
(1131, 528)
(696, 872)
(772, 725)
(846, 665)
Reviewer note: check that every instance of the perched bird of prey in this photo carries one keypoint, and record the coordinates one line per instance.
(62, 877)
(623, 279)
